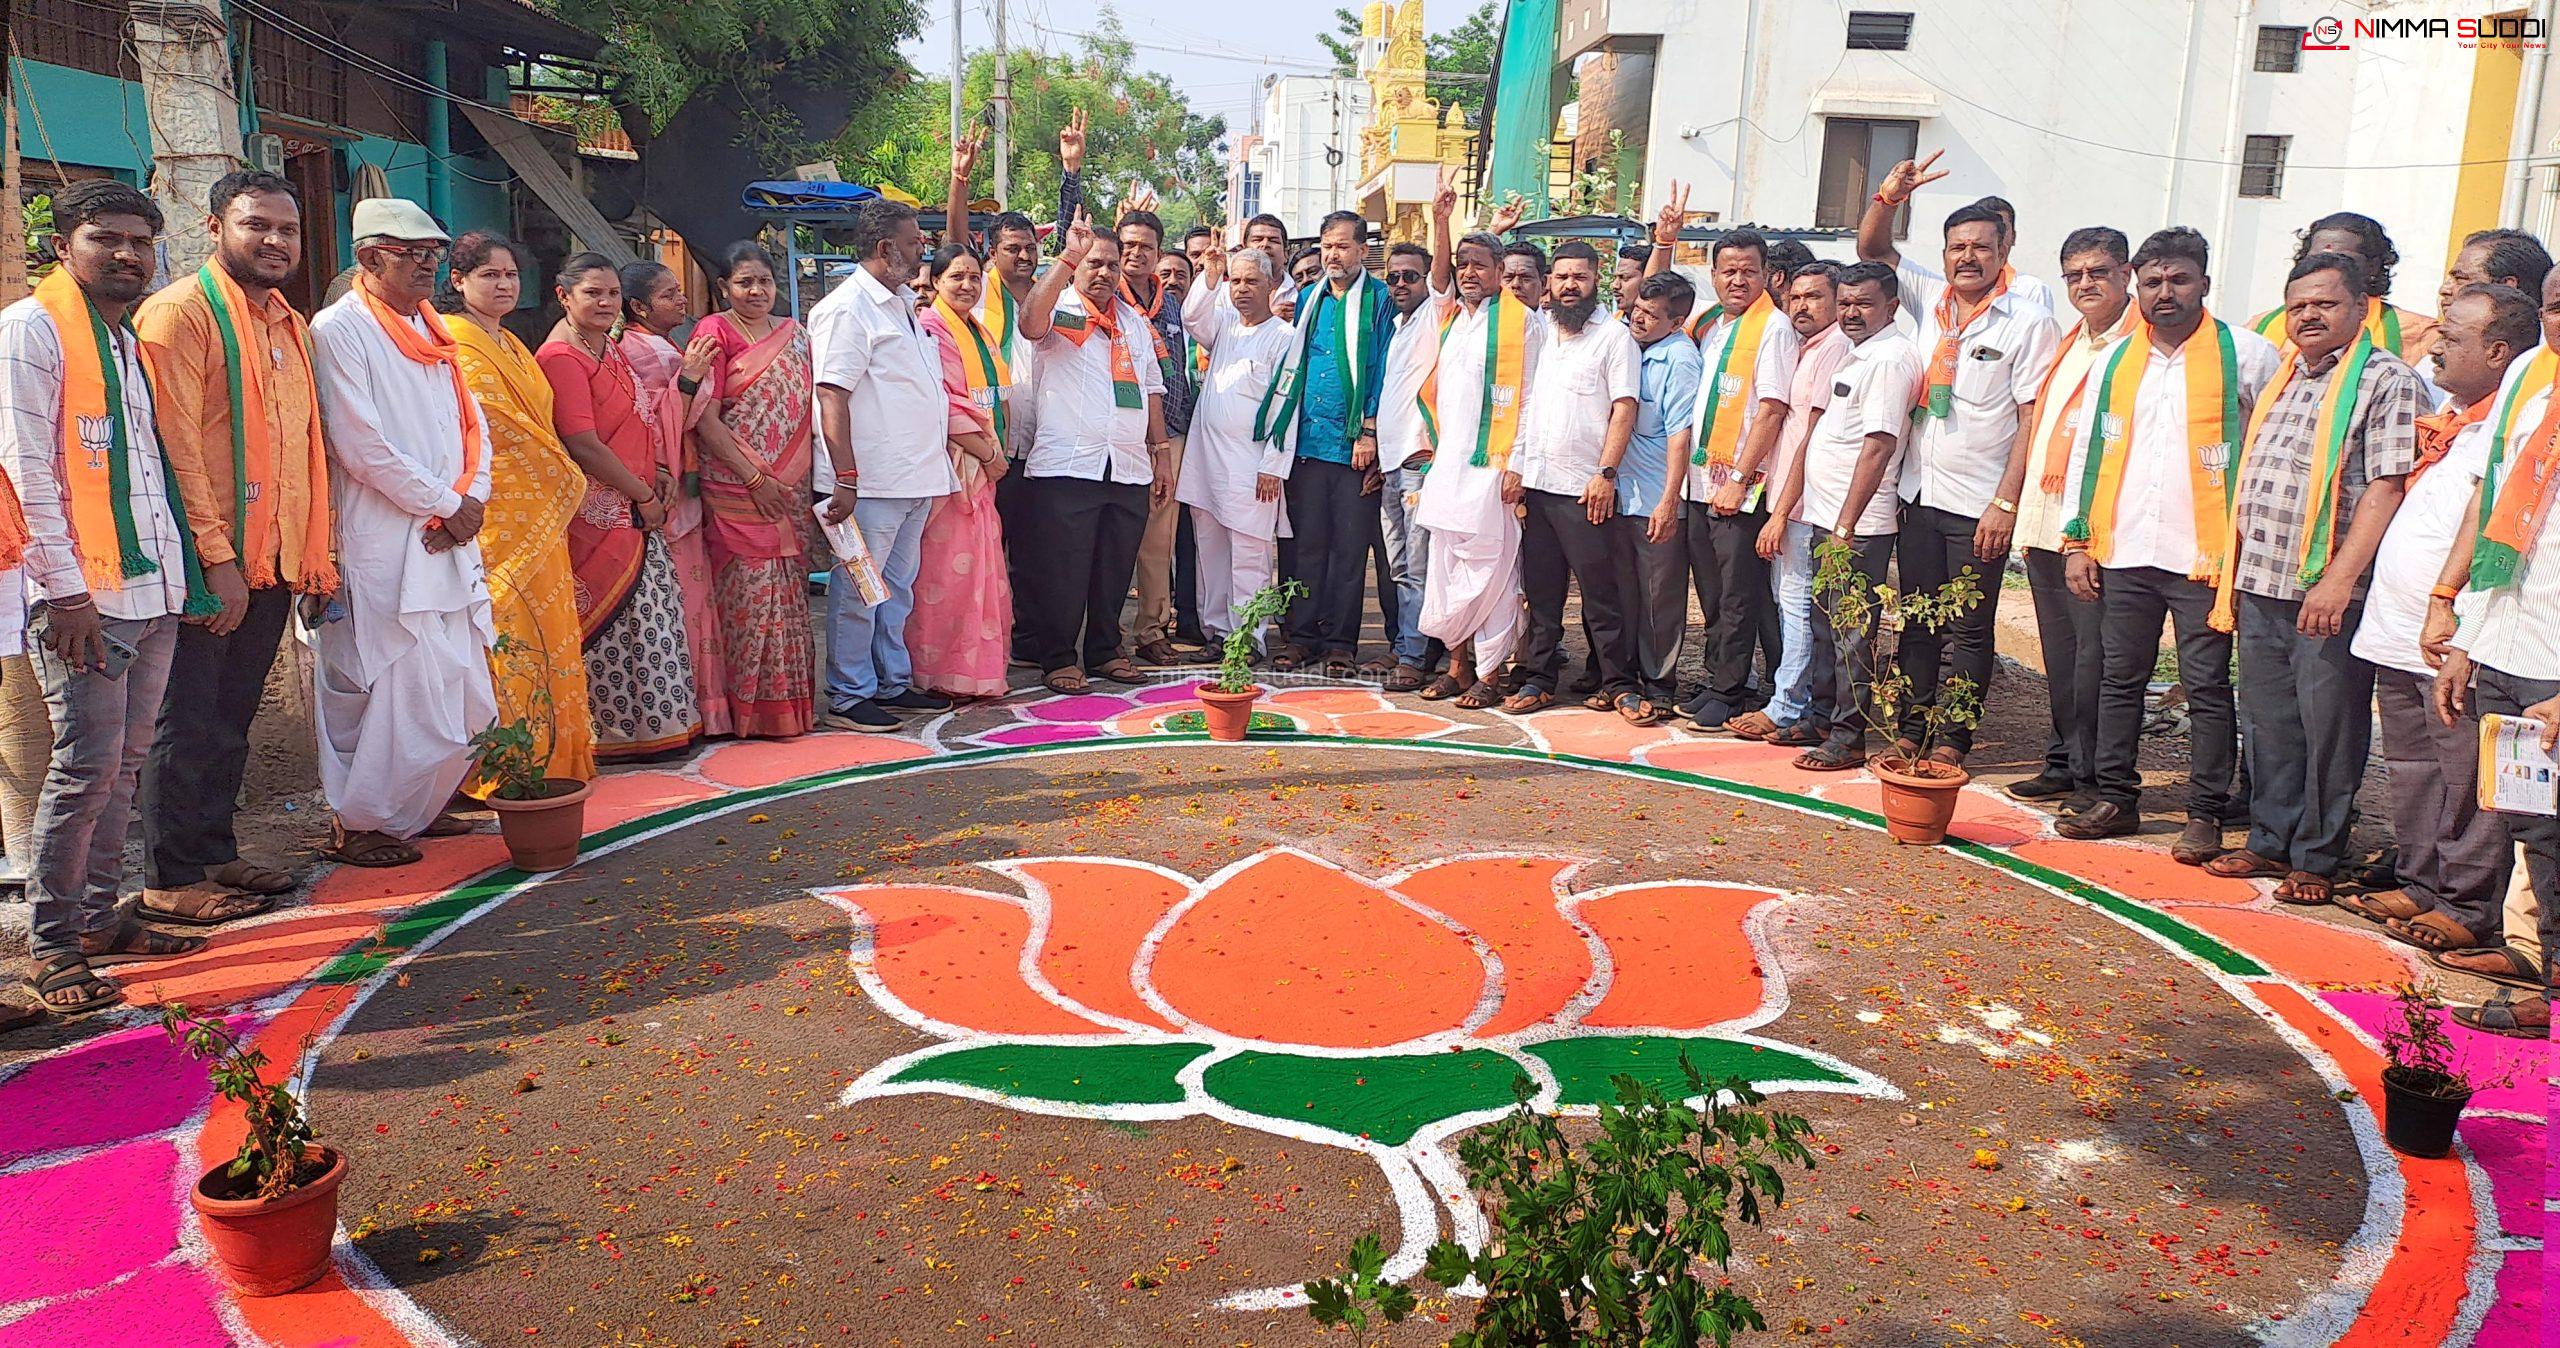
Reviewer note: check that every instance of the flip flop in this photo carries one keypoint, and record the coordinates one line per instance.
(1483, 695)
(1527, 702)
(2383, 908)
(2243, 864)
(2302, 889)
(1121, 671)
(1752, 725)
(2521, 971)
(2498, 1016)
(70, 973)
(1068, 683)
(2425, 935)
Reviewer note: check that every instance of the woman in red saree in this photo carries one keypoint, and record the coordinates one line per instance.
(653, 306)
(630, 607)
(963, 619)
(755, 491)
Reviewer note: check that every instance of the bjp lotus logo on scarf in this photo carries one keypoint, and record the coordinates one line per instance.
(1291, 996)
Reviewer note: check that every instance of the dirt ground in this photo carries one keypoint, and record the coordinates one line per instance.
(609, 1110)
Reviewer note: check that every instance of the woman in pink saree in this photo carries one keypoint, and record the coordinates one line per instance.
(653, 305)
(755, 491)
(963, 620)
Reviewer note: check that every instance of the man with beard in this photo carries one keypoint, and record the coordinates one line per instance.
(1647, 560)
(2097, 276)
(1786, 541)
(1325, 411)
(1404, 455)
(240, 421)
(2147, 536)
(1988, 350)
(110, 572)
(1236, 479)
(1100, 463)
(1141, 248)
(1579, 413)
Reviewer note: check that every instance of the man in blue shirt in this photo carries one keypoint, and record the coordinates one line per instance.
(1326, 404)
(1645, 548)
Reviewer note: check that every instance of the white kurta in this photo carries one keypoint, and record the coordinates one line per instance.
(1472, 591)
(403, 680)
(1221, 460)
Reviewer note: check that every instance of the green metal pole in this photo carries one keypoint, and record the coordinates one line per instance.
(439, 138)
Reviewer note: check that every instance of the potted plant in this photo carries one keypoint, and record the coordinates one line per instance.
(270, 1211)
(1226, 702)
(2424, 1086)
(542, 817)
(1919, 793)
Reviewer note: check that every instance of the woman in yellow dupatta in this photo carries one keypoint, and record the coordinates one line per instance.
(534, 488)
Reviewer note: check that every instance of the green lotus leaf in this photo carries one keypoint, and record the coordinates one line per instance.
(1069, 1074)
(1583, 1066)
(1387, 1098)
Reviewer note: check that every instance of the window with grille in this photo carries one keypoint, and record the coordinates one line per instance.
(1856, 154)
(295, 76)
(1879, 30)
(2279, 49)
(82, 34)
(2262, 166)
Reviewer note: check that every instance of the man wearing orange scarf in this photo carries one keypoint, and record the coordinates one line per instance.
(108, 569)
(403, 679)
(240, 420)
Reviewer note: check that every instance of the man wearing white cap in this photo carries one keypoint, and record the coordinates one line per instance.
(403, 683)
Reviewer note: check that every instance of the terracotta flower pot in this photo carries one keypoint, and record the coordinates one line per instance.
(270, 1246)
(1228, 715)
(1918, 809)
(2418, 1117)
(543, 833)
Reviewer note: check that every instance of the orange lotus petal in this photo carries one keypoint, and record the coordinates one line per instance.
(1328, 701)
(1391, 725)
(2314, 953)
(956, 957)
(1099, 914)
(1291, 950)
(1510, 904)
(1599, 734)
(1671, 966)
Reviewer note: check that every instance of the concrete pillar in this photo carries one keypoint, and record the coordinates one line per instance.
(183, 50)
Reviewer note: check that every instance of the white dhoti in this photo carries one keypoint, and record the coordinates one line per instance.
(392, 753)
(1235, 530)
(1472, 592)
(1234, 566)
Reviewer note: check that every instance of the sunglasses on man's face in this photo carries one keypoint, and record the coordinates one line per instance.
(1405, 278)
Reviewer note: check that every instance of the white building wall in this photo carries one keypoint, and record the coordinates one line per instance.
(2079, 112)
(1302, 116)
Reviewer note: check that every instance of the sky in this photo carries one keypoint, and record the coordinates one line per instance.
(1215, 53)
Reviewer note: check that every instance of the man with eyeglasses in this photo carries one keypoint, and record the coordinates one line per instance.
(1404, 455)
(403, 678)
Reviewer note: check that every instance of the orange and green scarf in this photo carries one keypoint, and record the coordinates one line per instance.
(2513, 507)
(1727, 402)
(435, 346)
(997, 309)
(254, 527)
(1938, 390)
(2328, 462)
(982, 361)
(2050, 477)
(1506, 355)
(1077, 326)
(2213, 427)
(97, 481)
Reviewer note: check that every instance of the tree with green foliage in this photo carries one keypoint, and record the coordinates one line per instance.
(1466, 50)
(1344, 41)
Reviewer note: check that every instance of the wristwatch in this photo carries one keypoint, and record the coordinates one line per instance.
(2010, 506)
(1608, 473)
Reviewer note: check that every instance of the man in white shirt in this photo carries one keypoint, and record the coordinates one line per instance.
(1786, 541)
(1985, 348)
(2453, 860)
(881, 421)
(2149, 546)
(1847, 470)
(106, 608)
(1404, 455)
(1231, 480)
(2097, 272)
(1099, 462)
(2032, 289)
(1575, 421)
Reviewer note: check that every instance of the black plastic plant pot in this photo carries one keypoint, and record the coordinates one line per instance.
(2417, 1121)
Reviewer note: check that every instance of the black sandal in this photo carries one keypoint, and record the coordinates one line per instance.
(70, 973)
(1526, 702)
(2498, 1016)
(1484, 694)
(1442, 688)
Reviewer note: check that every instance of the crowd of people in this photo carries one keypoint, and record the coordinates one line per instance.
(2334, 505)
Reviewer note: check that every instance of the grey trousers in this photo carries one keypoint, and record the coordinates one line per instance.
(102, 732)
(2068, 631)
(2454, 856)
(1653, 589)
(2537, 836)
(2306, 718)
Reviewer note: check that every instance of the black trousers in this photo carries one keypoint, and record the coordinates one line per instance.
(1733, 598)
(1186, 575)
(1331, 523)
(1013, 497)
(1083, 541)
(2068, 630)
(1842, 675)
(1653, 587)
(1936, 547)
(2133, 601)
(1559, 543)
(191, 784)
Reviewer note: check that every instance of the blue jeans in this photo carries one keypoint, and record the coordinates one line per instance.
(102, 733)
(867, 647)
(1409, 557)
(1791, 576)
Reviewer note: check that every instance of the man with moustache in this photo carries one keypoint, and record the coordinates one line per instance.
(1786, 541)
(2403, 333)
(1141, 248)
(110, 573)
(240, 421)
(1648, 560)
(2147, 484)
(1236, 480)
(2097, 276)
(1987, 352)
(1524, 273)
(1404, 455)
(1579, 414)
(1267, 234)
(1626, 273)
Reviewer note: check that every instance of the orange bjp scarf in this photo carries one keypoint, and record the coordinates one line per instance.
(1078, 325)
(2514, 508)
(1938, 390)
(254, 526)
(436, 346)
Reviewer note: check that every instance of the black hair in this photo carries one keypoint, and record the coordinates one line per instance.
(1358, 222)
(1302, 255)
(2348, 266)
(470, 253)
(2177, 241)
(941, 259)
(1785, 256)
(1147, 220)
(742, 252)
(1007, 222)
(1977, 214)
(1828, 271)
(1579, 250)
(1523, 248)
(1410, 249)
(1198, 232)
(1678, 296)
(2008, 214)
(2372, 241)
(2512, 252)
(638, 279)
(90, 198)
(578, 265)
(1876, 274)
(873, 222)
(2097, 239)
(1637, 253)
(2514, 317)
(1266, 218)
(1177, 255)
(1744, 237)
(247, 182)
